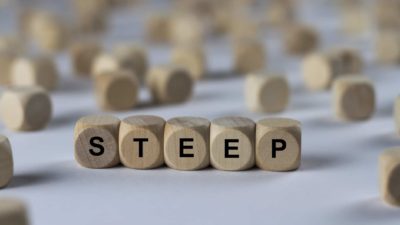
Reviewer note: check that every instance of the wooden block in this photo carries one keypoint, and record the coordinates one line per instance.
(170, 84)
(6, 60)
(389, 176)
(232, 143)
(321, 69)
(278, 144)
(249, 56)
(187, 143)
(91, 15)
(354, 98)
(187, 29)
(35, 71)
(6, 162)
(397, 113)
(25, 108)
(104, 63)
(141, 142)
(280, 13)
(158, 28)
(191, 58)
(300, 39)
(267, 93)
(117, 90)
(388, 47)
(132, 57)
(387, 15)
(11, 44)
(96, 141)
(13, 212)
(83, 54)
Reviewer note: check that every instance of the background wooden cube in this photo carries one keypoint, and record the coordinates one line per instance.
(83, 54)
(192, 58)
(25, 108)
(397, 113)
(187, 143)
(117, 90)
(6, 162)
(6, 60)
(232, 143)
(354, 98)
(278, 144)
(158, 28)
(388, 47)
(96, 141)
(300, 39)
(141, 142)
(132, 57)
(13, 212)
(249, 56)
(389, 176)
(267, 93)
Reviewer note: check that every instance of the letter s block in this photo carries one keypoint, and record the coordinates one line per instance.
(96, 141)
(278, 144)
(186, 143)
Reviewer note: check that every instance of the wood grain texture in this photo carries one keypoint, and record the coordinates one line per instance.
(117, 90)
(249, 55)
(170, 84)
(101, 130)
(6, 162)
(389, 176)
(300, 39)
(267, 93)
(232, 143)
(83, 54)
(354, 98)
(25, 108)
(136, 153)
(37, 70)
(192, 58)
(187, 143)
(278, 129)
(13, 212)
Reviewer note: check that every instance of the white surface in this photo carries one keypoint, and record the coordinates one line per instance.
(336, 184)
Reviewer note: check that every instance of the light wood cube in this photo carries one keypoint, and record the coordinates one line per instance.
(158, 28)
(321, 69)
(13, 212)
(389, 176)
(25, 108)
(6, 162)
(117, 90)
(141, 142)
(96, 141)
(170, 84)
(35, 71)
(91, 15)
(132, 57)
(354, 98)
(6, 60)
(187, 143)
(300, 39)
(192, 58)
(232, 143)
(187, 29)
(267, 93)
(388, 47)
(249, 56)
(83, 54)
(278, 144)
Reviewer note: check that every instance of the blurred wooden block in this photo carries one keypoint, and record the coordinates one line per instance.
(83, 54)
(158, 28)
(141, 142)
(191, 58)
(13, 212)
(35, 71)
(300, 39)
(321, 69)
(354, 98)
(25, 108)
(96, 141)
(389, 175)
(388, 47)
(170, 84)
(187, 30)
(11, 44)
(117, 90)
(267, 93)
(91, 15)
(397, 113)
(187, 143)
(6, 60)
(249, 56)
(278, 144)
(387, 15)
(232, 143)
(6, 162)
(280, 13)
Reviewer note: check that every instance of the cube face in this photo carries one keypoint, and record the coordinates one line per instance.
(6, 162)
(301, 39)
(249, 56)
(13, 212)
(389, 171)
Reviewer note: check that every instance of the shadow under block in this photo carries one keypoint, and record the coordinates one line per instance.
(187, 143)
(278, 144)
(83, 54)
(389, 176)
(141, 142)
(300, 39)
(13, 212)
(267, 93)
(249, 55)
(117, 90)
(6, 162)
(170, 84)
(192, 58)
(321, 69)
(96, 141)
(25, 108)
(232, 143)
(354, 98)
(35, 71)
